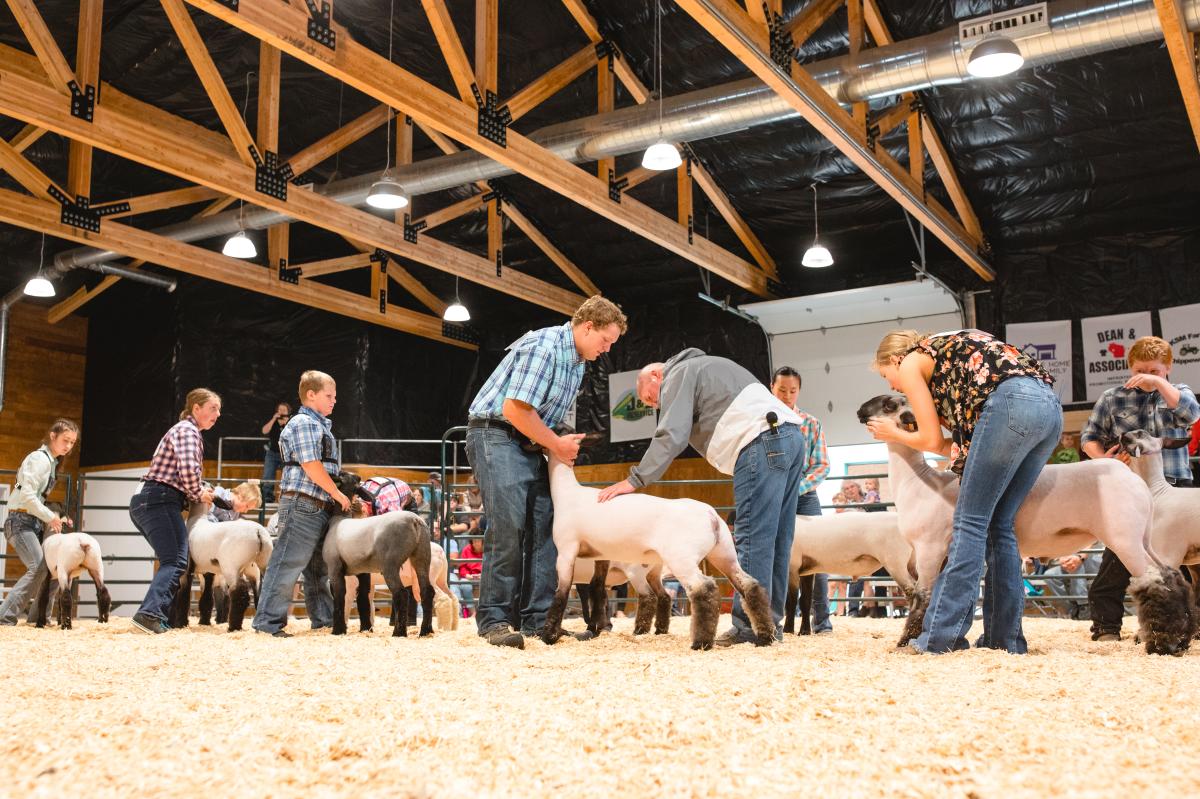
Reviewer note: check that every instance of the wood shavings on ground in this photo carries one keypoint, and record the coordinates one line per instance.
(106, 712)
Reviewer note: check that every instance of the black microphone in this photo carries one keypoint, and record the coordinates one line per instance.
(773, 420)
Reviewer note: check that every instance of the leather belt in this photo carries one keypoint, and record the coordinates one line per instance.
(516, 435)
(329, 506)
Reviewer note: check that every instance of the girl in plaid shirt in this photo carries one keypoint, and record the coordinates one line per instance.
(171, 484)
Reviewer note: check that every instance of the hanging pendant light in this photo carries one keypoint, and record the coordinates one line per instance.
(816, 256)
(995, 56)
(387, 193)
(456, 311)
(239, 245)
(662, 155)
(39, 285)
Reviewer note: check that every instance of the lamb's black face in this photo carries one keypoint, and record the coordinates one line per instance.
(347, 482)
(891, 406)
(1138, 443)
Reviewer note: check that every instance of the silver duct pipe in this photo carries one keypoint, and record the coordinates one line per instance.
(1076, 28)
(167, 284)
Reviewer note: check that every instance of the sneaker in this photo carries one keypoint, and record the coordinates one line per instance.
(503, 635)
(1107, 637)
(151, 625)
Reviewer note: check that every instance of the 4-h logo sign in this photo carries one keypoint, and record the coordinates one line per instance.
(1043, 352)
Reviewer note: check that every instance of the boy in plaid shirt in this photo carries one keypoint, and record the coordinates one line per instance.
(1147, 401)
(307, 500)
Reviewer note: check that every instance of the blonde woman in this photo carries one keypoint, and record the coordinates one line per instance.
(1004, 420)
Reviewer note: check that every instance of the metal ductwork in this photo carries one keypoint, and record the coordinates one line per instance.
(1076, 28)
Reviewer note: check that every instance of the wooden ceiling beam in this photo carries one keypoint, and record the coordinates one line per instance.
(47, 51)
(40, 215)
(132, 136)
(487, 44)
(814, 15)
(331, 266)
(162, 200)
(452, 211)
(23, 171)
(556, 255)
(210, 78)
(1181, 46)
(730, 26)
(364, 70)
(451, 46)
(87, 68)
(330, 145)
(624, 72)
(26, 137)
(558, 78)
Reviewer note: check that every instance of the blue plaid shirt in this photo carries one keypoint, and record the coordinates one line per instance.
(1121, 409)
(542, 369)
(307, 437)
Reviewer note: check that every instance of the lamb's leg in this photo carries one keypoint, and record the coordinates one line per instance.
(64, 603)
(565, 566)
(43, 599)
(1164, 610)
(177, 613)
(754, 597)
(584, 591)
(595, 620)
(366, 608)
(706, 605)
(103, 598)
(220, 600)
(337, 586)
(239, 600)
(929, 560)
(662, 601)
(400, 599)
(206, 600)
(807, 587)
(789, 604)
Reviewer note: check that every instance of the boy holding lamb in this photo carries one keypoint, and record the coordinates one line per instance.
(308, 498)
(1147, 401)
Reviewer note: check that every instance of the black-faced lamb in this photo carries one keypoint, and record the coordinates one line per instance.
(66, 556)
(654, 602)
(1070, 507)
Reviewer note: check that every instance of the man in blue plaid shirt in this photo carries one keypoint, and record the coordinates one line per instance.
(529, 393)
(1148, 401)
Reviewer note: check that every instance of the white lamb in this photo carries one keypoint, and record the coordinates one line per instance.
(230, 555)
(1070, 506)
(446, 606)
(66, 556)
(639, 528)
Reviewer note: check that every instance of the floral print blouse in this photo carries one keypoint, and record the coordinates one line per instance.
(967, 367)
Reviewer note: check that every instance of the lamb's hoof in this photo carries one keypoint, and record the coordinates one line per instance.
(550, 638)
(586, 635)
(338, 631)
(426, 633)
(702, 646)
(663, 631)
(204, 623)
(399, 632)
(641, 630)
(764, 640)
(804, 631)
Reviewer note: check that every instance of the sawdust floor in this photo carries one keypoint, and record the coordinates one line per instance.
(105, 712)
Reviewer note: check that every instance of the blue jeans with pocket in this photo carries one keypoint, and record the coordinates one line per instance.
(519, 557)
(766, 482)
(24, 534)
(301, 534)
(157, 513)
(272, 463)
(809, 504)
(1015, 433)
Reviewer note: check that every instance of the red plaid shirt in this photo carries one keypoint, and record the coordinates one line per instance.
(390, 494)
(179, 459)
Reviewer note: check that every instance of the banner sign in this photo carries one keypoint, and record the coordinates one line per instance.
(1049, 343)
(1181, 329)
(1106, 343)
(629, 418)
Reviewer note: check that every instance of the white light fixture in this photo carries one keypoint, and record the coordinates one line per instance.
(995, 56)
(456, 311)
(38, 285)
(239, 245)
(387, 193)
(816, 256)
(662, 155)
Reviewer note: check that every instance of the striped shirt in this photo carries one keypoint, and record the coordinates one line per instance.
(816, 457)
(307, 437)
(1120, 410)
(542, 369)
(179, 459)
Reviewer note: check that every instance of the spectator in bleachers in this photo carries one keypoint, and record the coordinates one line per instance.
(469, 571)
(475, 498)
(871, 492)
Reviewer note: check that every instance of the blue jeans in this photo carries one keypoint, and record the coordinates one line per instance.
(24, 534)
(766, 482)
(519, 574)
(302, 525)
(157, 513)
(1017, 430)
(272, 463)
(809, 504)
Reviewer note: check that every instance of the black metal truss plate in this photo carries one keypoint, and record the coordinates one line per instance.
(320, 25)
(607, 48)
(270, 176)
(80, 213)
(783, 47)
(411, 229)
(494, 119)
(616, 186)
(459, 332)
(83, 103)
(499, 262)
(232, 5)
(289, 274)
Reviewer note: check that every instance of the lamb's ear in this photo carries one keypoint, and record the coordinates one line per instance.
(591, 439)
(363, 494)
(1175, 443)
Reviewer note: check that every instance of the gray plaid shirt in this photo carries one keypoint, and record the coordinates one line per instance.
(1120, 410)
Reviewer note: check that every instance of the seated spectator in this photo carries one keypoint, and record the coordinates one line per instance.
(1062, 580)
(474, 498)
(853, 492)
(839, 499)
(1067, 450)
(469, 570)
(1193, 451)
(872, 490)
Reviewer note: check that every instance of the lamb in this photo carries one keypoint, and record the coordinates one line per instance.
(377, 544)
(1070, 506)
(654, 603)
(1175, 533)
(232, 555)
(446, 606)
(639, 528)
(66, 555)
